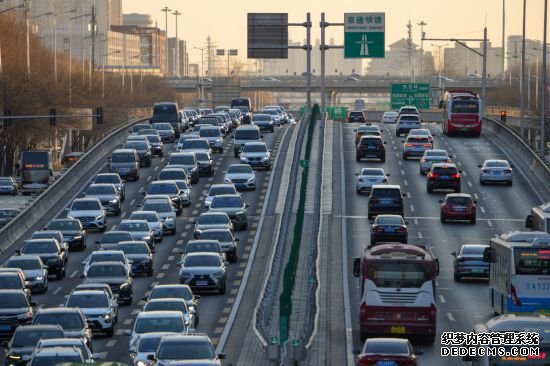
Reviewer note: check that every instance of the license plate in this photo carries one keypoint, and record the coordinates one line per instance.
(386, 201)
(385, 363)
(478, 270)
(370, 147)
(397, 330)
(390, 230)
(202, 283)
(459, 209)
(124, 170)
(444, 177)
(5, 327)
(497, 173)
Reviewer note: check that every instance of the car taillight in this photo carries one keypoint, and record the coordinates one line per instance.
(515, 299)
(455, 176)
(432, 310)
(486, 171)
(427, 145)
(409, 145)
(432, 175)
(401, 229)
(508, 171)
(423, 160)
(378, 229)
(363, 309)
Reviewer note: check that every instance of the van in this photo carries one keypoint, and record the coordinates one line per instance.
(244, 105)
(386, 199)
(244, 134)
(539, 219)
(125, 162)
(168, 112)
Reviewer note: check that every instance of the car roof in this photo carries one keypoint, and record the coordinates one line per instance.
(215, 213)
(387, 340)
(228, 196)
(109, 251)
(166, 299)
(107, 263)
(247, 127)
(31, 327)
(88, 292)
(102, 185)
(25, 256)
(133, 221)
(160, 313)
(57, 351)
(187, 337)
(440, 165)
(86, 199)
(64, 310)
(452, 195)
(259, 143)
(68, 341)
(386, 186)
(125, 151)
(202, 254)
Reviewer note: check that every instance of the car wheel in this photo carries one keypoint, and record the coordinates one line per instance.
(150, 273)
(383, 158)
(358, 191)
(110, 332)
(473, 220)
(59, 275)
(457, 189)
(45, 289)
(429, 189)
(363, 335)
(357, 158)
(397, 133)
(233, 258)
(482, 182)
(510, 183)
(421, 172)
(404, 156)
(222, 289)
(456, 276)
(268, 167)
(103, 229)
(236, 154)
(442, 219)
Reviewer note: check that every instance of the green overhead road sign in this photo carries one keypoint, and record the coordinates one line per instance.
(364, 35)
(417, 94)
(336, 113)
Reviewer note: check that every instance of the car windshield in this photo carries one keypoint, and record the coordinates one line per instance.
(162, 126)
(106, 257)
(138, 145)
(192, 351)
(39, 247)
(180, 292)
(497, 164)
(459, 200)
(149, 217)
(54, 360)
(239, 169)
(133, 248)
(172, 175)
(246, 134)
(419, 132)
(64, 225)
(137, 128)
(444, 170)
(368, 171)
(408, 111)
(409, 118)
(217, 235)
(133, 226)
(107, 179)
(195, 144)
(101, 190)
(222, 190)
(386, 193)
(115, 237)
(417, 140)
(393, 274)
(356, 114)
(255, 148)
(149, 345)
(202, 156)
(386, 348)
(167, 305)
(473, 249)
(202, 261)
(85, 205)
(220, 201)
(264, 118)
(5, 183)
(157, 206)
(388, 220)
(370, 141)
(106, 271)
(161, 324)
(181, 160)
(194, 247)
(80, 300)
(10, 282)
(28, 337)
(209, 132)
(212, 219)
(163, 188)
(153, 139)
(24, 263)
(46, 235)
(465, 106)
(434, 153)
(67, 320)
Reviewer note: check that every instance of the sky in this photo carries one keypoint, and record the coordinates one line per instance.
(225, 21)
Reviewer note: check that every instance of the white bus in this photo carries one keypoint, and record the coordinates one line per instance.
(519, 272)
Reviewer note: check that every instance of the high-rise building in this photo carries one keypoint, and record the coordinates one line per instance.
(396, 60)
(459, 61)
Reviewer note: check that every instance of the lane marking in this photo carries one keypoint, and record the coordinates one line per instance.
(469, 184)
(476, 196)
(160, 275)
(442, 299)
(57, 290)
(450, 316)
(420, 235)
(73, 274)
(128, 321)
(405, 182)
(170, 258)
(149, 178)
(111, 343)
(165, 266)
(412, 208)
(194, 212)
(156, 168)
(402, 172)
(490, 223)
(122, 215)
(179, 242)
(415, 221)
(482, 209)
(132, 202)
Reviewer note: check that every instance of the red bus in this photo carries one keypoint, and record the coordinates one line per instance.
(462, 112)
(397, 290)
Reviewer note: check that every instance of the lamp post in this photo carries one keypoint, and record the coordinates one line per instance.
(522, 77)
(166, 10)
(176, 61)
(422, 24)
(201, 90)
(103, 71)
(440, 65)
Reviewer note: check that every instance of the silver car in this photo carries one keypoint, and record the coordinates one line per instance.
(216, 189)
(156, 321)
(146, 347)
(101, 312)
(433, 156)
(204, 271)
(172, 304)
(89, 212)
(182, 139)
(406, 122)
(163, 207)
(256, 154)
(496, 171)
(368, 177)
(166, 131)
(195, 145)
(212, 220)
(110, 255)
(154, 221)
(108, 195)
(415, 146)
(112, 178)
(213, 135)
(139, 229)
(35, 271)
(241, 175)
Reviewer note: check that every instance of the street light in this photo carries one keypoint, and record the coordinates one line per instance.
(176, 61)
(103, 71)
(440, 65)
(201, 90)
(166, 10)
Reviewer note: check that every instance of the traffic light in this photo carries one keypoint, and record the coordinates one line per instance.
(7, 112)
(52, 116)
(99, 115)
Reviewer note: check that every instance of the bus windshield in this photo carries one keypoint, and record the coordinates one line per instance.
(397, 274)
(465, 106)
(532, 261)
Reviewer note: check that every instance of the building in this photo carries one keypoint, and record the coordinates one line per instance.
(152, 46)
(183, 58)
(460, 62)
(144, 20)
(396, 60)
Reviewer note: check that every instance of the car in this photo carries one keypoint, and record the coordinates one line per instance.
(140, 256)
(50, 252)
(101, 312)
(114, 274)
(8, 185)
(173, 304)
(443, 176)
(213, 135)
(157, 147)
(96, 286)
(77, 343)
(25, 340)
(195, 349)
(154, 221)
(256, 154)
(244, 134)
(234, 206)
(72, 320)
(139, 229)
(162, 205)
(90, 213)
(195, 145)
(422, 132)
(53, 234)
(125, 163)
(212, 220)
(433, 156)
(166, 131)
(266, 120)
(179, 291)
(156, 321)
(35, 271)
(458, 206)
(72, 230)
(174, 173)
(137, 127)
(496, 171)
(111, 255)
(241, 176)
(371, 147)
(7, 214)
(205, 245)
(56, 356)
(216, 189)
(387, 351)
(166, 188)
(148, 131)
(112, 178)
(368, 177)
(468, 262)
(388, 228)
(188, 160)
(146, 347)
(357, 116)
(143, 150)
(184, 137)
(204, 271)
(108, 195)
(14, 279)
(442, 78)
(137, 138)
(389, 117)
(385, 199)
(408, 109)
(227, 240)
(407, 122)
(206, 164)
(365, 130)
(415, 146)
(110, 239)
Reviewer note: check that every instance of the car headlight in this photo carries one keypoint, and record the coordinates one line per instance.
(141, 363)
(218, 141)
(125, 285)
(99, 217)
(14, 356)
(39, 278)
(147, 238)
(227, 180)
(70, 217)
(191, 308)
(243, 158)
(27, 315)
(270, 122)
(251, 179)
(265, 157)
(78, 237)
(169, 218)
(114, 202)
(218, 274)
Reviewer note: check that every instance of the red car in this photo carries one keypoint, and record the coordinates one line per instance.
(458, 206)
(387, 351)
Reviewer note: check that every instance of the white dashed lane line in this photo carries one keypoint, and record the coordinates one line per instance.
(490, 223)
(73, 275)
(132, 202)
(482, 209)
(57, 290)
(450, 316)
(469, 184)
(442, 299)
(412, 208)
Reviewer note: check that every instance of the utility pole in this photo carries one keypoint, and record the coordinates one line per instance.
(522, 77)
(166, 10)
(543, 85)
(176, 61)
(422, 35)
(324, 47)
(409, 47)
(308, 62)
(503, 36)
(27, 9)
(93, 26)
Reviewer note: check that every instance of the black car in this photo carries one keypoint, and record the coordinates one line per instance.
(388, 228)
(385, 199)
(357, 116)
(206, 164)
(24, 342)
(116, 275)
(156, 145)
(50, 251)
(112, 178)
(14, 279)
(143, 150)
(468, 262)
(443, 176)
(15, 310)
(167, 112)
(371, 147)
(73, 232)
(139, 254)
(169, 188)
(177, 291)
(110, 239)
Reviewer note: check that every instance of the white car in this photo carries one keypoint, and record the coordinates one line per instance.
(368, 177)
(154, 221)
(156, 321)
(389, 117)
(89, 212)
(422, 132)
(496, 171)
(216, 189)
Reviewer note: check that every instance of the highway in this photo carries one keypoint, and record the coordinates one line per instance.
(213, 308)
(500, 208)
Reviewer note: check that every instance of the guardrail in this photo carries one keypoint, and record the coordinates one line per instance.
(45, 202)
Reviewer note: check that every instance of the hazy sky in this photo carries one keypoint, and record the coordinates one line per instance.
(225, 21)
